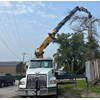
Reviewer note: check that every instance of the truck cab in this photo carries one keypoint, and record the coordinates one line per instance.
(40, 78)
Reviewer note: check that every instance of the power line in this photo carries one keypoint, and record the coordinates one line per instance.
(6, 35)
(23, 56)
(11, 23)
(9, 48)
(8, 38)
(16, 26)
(5, 32)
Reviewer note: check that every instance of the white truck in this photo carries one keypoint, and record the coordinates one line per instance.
(40, 78)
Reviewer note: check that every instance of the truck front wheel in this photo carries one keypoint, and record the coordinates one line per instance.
(57, 91)
(2, 84)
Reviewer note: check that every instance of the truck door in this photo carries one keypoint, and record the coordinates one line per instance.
(8, 78)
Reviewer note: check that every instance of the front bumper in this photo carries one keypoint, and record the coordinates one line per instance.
(34, 92)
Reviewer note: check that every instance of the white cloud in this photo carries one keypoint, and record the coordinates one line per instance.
(38, 23)
(26, 8)
(22, 11)
(52, 7)
(18, 7)
(20, 1)
(43, 14)
(34, 22)
(41, 4)
(29, 9)
(52, 16)
(7, 4)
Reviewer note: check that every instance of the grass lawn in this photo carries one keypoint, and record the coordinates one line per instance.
(70, 91)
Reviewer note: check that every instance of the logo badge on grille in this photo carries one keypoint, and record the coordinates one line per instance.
(37, 74)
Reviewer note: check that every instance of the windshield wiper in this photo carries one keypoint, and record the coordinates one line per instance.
(33, 67)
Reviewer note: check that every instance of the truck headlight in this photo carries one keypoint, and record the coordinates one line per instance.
(21, 83)
(53, 82)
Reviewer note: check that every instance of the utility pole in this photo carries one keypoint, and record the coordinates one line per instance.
(23, 60)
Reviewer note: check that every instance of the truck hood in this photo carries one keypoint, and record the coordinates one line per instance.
(39, 70)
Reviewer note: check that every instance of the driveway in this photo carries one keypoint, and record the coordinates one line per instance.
(9, 91)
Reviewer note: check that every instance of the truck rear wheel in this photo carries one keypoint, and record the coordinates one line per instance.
(2, 84)
(57, 91)
(13, 82)
(23, 96)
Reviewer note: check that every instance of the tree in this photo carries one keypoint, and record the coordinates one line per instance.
(70, 51)
(89, 26)
(73, 49)
(61, 55)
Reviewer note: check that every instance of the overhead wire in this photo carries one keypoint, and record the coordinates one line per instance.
(11, 26)
(6, 33)
(1, 39)
(7, 36)
(17, 29)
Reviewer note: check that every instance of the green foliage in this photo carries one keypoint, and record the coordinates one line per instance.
(70, 51)
(92, 49)
(19, 74)
(73, 51)
(80, 23)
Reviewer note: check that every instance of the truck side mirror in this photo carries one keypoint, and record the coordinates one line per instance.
(26, 66)
(55, 65)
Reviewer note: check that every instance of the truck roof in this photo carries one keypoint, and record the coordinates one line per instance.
(42, 59)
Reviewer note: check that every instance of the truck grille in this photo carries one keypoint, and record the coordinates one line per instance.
(41, 81)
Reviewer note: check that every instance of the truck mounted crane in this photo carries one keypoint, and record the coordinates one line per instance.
(39, 51)
(40, 77)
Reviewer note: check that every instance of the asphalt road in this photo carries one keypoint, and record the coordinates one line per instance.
(9, 91)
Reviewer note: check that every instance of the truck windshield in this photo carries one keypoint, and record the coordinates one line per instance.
(41, 64)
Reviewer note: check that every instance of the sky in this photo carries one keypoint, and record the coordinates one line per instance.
(25, 24)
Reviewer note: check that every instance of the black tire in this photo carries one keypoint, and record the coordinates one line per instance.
(2, 84)
(57, 91)
(13, 82)
(23, 96)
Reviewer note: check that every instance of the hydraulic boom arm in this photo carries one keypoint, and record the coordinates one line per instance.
(39, 51)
